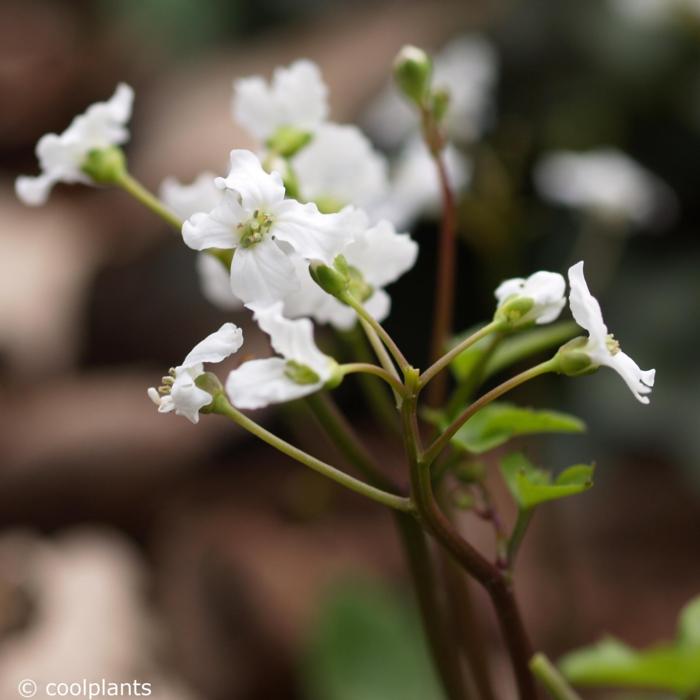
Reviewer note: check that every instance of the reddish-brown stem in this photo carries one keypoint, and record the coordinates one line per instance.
(443, 308)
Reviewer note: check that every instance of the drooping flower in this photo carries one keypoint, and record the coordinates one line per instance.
(300, 370)
(63, 156)
(414, 188)
(378, 256)
(538, 299)
(265, 230)
(467, 68)
(601, 348)
(338, 167)
(179, 391)
(296, 97)
(606, 183)
(202, 195)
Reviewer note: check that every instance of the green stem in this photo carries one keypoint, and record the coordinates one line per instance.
(367, 368)
(516, 537)
(345, 440)
(138, 191)
(444, 653)
(382, 355)
(377, 327)
(221, 406)
(549, 676)
(379, 402)
(434, 450)
(445, 360)
(413, 542)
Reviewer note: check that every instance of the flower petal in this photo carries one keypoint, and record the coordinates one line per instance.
(216, 229)
(638, 380)
(585, 307)
(314, 235)
(294, 340)
(381, 254)
(187, 398)
(215, 281)
(259, 383)
(34, 191)
(262, 273)
(257, 189)
(202, 195)
(216, 346)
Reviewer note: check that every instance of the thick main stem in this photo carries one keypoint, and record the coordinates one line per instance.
(468, 557)
(413, 543)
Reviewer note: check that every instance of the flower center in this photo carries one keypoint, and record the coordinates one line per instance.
(612, 344)
(168, 381)
(300, 374)
(255, 229)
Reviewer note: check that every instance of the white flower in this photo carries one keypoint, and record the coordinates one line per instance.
(601, 347)
(202, 195)
(180, 392)
(607, 183)
(468, 69)
(301, 370)
(61, 157)
(265, 230)
(380, 255)
(545, 289)
(414, 186)
(296, 97)
(339, 167)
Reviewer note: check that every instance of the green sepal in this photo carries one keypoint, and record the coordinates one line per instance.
(300, 374)
(499, 422)
(288, 140)
(439, 103)
(513, 312)
(531, 486)
(210, 383)
(329, 279)
(572, 361)
(106, 166)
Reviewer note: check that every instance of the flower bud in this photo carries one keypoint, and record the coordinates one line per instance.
(439, 103)
(105, 165)
(412, 71)
(329, 279)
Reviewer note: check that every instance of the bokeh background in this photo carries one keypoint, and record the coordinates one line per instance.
(134, 545)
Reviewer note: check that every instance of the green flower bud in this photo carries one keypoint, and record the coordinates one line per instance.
(572, 360)
(412, 72)
(288, 140)
(105, 166)
(329, 279)
(439, 103)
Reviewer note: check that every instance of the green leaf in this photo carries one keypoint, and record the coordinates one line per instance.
(512, 349)
(671, 667)
(499, 422)
(531, 486)
(368, 645)
(689, 623)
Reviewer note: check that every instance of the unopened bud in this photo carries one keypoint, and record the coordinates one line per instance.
(329, 279)
(412, 72)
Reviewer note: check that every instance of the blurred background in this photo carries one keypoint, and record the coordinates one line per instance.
(135, 545)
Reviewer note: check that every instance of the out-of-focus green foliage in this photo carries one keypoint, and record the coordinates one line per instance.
(367, 644)
(672, 666)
